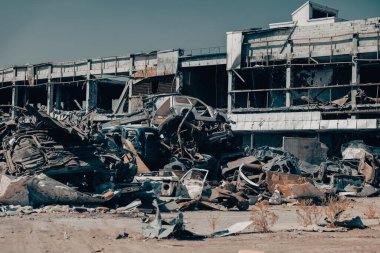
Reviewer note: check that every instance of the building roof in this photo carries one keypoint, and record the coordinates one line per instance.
(315, 6)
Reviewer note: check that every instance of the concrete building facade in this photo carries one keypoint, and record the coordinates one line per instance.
(314, 76)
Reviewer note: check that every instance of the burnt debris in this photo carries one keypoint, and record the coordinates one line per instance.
(177, 152)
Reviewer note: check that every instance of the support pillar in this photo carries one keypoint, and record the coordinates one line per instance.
(50, 97)
(355, 80)
(355, 74)
(288, 101)
(14, 94)
(26, 96)
(288, 85)
(91, 95)
(15, 91)
(91, 91)
(231, 87)
(252, 140)
(58, 97)
(130, 93)
(178, 82)
(50, 94)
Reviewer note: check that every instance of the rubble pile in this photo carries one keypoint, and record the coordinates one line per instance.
(174, 154)
(44, 162)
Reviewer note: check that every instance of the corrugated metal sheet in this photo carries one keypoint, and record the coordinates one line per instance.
(145, 88)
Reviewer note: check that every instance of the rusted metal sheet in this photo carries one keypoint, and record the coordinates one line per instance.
(141, 167)
(238, 162)
(147, 72)
(277, 178)
(292, 186)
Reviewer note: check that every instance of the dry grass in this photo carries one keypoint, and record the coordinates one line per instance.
(262, 218)
(334, 208)
(308, 213)
(213, 220)
(371, 212)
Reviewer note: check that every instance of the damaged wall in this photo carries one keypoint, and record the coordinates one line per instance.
(313, 76)
(320, 40)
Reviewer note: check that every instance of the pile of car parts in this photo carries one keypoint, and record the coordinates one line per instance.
(45, 162)
(175, 150)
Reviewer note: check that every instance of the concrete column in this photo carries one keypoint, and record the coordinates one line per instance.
(355, 80)
(288, 84)
(178, 82)
(14, 94)
(15, 91)
(129, 96)
(252, 140)
(230, 87)
(288, 101)
(91, 91)
(50, 97)
(91, 95)
(26, 95)
(58, 97)
(50, 94)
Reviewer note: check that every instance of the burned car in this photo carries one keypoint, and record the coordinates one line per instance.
(145, 140)
(166, 105)
(168, 183)
(188, 131)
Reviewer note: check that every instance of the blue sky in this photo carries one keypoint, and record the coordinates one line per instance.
(34, 31)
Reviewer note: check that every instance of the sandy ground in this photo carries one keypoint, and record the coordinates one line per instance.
(65, 232)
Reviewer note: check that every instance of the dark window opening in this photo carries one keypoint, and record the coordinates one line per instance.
(322, 14)
(154, 86)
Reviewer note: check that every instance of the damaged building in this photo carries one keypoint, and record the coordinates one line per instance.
(291, 111)
(311, 77)
(314, 77)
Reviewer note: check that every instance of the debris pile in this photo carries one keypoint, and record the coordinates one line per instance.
(174, 154)
(45, 162)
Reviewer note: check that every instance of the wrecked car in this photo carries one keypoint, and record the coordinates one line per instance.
(145, 140)
(179, 105)
(168, 182)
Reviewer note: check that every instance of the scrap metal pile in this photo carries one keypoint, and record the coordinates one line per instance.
(45, 162)
(176, 152)
(277, 175)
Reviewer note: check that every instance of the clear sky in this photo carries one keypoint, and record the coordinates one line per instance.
(34, 31)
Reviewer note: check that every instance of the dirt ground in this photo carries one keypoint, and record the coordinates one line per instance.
(86, 232)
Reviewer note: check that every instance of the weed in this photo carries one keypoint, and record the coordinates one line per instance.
(213, 221)
(262, 218)
(308, 213)
(334, 208)
(371, 212)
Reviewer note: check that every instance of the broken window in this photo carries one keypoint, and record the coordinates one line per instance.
(322, 14)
